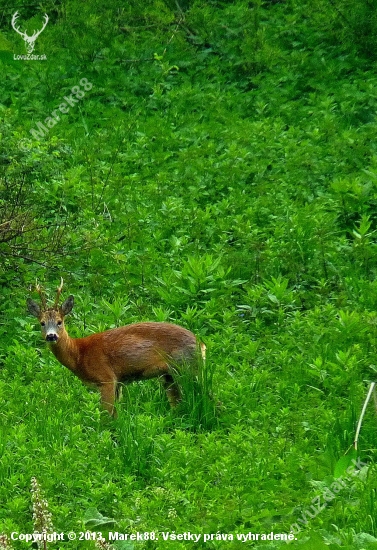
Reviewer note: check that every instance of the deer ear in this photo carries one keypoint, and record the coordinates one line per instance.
(67, 306)
(33, 307)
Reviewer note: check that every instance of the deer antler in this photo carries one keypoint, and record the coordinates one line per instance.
(41, 294)
(58, 292)
(14, 19)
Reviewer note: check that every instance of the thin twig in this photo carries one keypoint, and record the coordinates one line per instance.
(32, 260)
(370, 391)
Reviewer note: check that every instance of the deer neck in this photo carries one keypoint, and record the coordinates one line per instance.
(66, 351)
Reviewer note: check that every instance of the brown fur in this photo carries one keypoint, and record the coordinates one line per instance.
(133, 352)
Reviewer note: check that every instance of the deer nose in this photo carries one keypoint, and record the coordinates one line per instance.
(52, 337)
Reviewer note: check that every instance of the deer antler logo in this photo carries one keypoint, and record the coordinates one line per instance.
(29, 40)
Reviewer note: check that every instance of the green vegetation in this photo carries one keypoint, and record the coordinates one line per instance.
(217, 168)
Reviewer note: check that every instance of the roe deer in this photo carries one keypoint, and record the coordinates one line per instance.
(133, 352)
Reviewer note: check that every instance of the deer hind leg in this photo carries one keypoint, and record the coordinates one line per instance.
(172, 390)
(108, 390)
(160, 369)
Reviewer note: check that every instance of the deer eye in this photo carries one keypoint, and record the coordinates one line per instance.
(43, 324)
(59, 323)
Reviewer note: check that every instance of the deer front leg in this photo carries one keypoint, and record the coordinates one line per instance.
(107, 390)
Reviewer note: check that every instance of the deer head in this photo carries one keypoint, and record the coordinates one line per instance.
(29, 40)
(51, 318)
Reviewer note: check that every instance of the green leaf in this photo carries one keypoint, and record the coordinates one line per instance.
(93, 519)
(123, 545)
(344, 462)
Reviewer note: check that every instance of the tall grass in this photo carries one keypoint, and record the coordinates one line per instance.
(197, 410)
